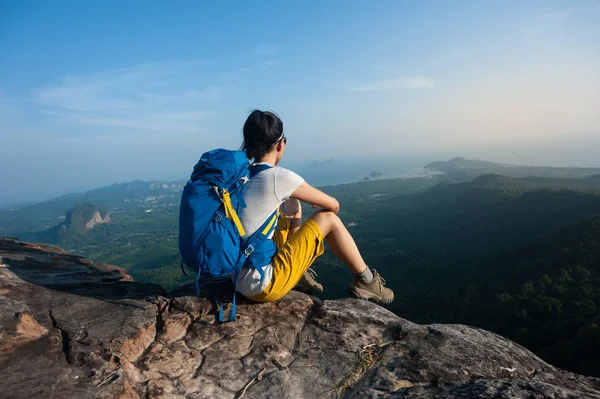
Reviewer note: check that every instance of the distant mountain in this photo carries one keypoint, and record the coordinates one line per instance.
(459, 169)
(76, 226)
(120, 197)
(85, 217)
(43, 215)
(516, 186)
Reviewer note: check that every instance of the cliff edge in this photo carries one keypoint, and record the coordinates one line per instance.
(71, 328)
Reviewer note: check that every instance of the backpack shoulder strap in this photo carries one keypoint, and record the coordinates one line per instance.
(265, 230)
(230, 212)
(256, 168)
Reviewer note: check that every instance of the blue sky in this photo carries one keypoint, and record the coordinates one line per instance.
(93, 93)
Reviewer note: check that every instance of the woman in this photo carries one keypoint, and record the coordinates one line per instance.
(298, 244)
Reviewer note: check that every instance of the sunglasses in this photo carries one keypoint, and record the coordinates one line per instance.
(283, 138)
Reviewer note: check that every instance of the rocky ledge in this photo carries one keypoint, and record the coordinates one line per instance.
(70, 328)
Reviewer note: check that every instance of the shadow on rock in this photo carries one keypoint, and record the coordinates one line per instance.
(53, 268)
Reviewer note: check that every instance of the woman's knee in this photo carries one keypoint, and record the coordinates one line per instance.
(326, 220)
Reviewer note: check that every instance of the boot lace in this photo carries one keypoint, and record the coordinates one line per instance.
(310, 276)
(377, 276)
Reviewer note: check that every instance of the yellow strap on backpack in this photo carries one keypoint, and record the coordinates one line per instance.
(273, 220)
(231, 214)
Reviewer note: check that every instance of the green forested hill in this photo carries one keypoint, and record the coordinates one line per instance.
(458, 169)
(545, 295)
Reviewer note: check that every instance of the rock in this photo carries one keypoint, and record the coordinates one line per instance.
(71, 328)
(84, 217)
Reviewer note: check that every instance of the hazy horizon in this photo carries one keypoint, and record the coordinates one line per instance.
(332, 171)
(97, 93)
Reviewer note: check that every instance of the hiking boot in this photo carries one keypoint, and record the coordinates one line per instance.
(374, 290)
(308, 284)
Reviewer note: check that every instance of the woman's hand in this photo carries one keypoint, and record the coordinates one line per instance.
(317, 198)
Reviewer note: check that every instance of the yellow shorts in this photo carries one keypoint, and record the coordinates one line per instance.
(293, 258)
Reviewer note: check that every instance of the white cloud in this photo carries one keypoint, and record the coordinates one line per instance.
(402, 82)
(555, 16)
(166, 96)
(545, 22)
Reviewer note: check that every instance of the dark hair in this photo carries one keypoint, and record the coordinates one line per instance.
(261, 132)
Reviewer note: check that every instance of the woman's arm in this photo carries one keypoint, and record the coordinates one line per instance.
(317, 198)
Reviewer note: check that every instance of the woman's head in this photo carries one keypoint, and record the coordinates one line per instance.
(263, 133)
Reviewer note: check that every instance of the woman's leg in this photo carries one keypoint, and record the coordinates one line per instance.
(367, 284)
(298, 253)
(339, 240)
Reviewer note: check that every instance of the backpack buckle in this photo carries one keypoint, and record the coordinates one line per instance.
(243, 180)
(249, 249)
(217, 217)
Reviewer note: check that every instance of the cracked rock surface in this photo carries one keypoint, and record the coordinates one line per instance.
(70, 328)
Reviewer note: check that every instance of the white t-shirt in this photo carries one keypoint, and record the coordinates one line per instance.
(265, 193)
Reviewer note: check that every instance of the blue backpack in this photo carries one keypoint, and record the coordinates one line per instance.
(210, 232)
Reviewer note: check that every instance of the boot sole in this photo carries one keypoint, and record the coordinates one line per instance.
(366, 295)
